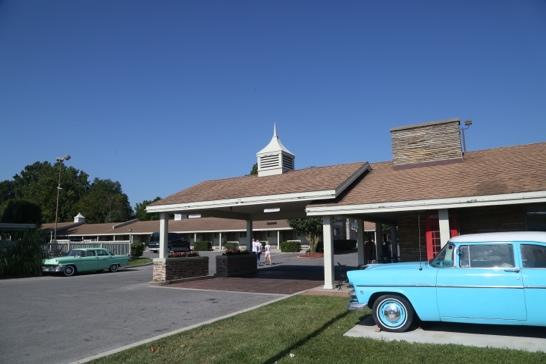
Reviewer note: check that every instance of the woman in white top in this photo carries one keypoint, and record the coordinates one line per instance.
(267, 256)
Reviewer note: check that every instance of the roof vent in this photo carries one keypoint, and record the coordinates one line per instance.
(275, 158)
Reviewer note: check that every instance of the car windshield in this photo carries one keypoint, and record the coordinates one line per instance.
(444, 258)
(76, 253)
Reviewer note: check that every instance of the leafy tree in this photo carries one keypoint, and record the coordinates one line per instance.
(37, 183)
(22, 212)
(310, 227)
(105, 202)
(6, 191)
(254, 170)
(140, 210)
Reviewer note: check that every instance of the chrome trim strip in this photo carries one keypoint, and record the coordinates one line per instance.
(446, 286)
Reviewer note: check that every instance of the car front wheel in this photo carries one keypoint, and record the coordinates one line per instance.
(393, 313)
(114, 268)
(69, 270)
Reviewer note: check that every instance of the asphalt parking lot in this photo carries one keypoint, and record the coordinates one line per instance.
(55, 319)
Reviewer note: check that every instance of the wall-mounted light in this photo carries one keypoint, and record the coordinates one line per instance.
(270, 210)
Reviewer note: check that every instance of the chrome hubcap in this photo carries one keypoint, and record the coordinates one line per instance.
(392, 312)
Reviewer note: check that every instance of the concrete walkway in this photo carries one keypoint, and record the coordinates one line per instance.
(484, 336)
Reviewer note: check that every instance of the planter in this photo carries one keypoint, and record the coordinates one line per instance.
(173, 269)
(236, 265)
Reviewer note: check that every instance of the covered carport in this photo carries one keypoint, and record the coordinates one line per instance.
(265, 197)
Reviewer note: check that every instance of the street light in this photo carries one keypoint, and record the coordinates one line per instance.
(60, 160)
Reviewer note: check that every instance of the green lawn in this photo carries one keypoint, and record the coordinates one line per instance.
(138, 262)
(301, 329)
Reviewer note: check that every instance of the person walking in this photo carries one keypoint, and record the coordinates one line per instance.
(257, 249)
(267, 256)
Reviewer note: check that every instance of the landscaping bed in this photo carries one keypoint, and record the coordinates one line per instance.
(302, 329)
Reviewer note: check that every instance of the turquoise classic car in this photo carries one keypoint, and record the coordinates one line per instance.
(493, 278)
(84, 260)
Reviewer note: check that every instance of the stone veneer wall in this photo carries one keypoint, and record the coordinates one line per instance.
(172, 269)
(432, 142)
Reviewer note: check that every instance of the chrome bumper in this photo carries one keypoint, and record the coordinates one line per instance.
(353, 306)
(51, 268)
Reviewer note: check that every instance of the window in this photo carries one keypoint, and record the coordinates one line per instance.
(90, 253)
(533, 256)
(444, 258)
(486, 256)
(102, 253)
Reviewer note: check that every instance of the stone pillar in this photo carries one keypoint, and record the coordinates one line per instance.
(443, 219)
(328, 242)
(360, 241)
(163, 236)
(249, 234)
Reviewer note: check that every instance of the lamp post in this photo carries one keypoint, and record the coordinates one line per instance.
(60, 160)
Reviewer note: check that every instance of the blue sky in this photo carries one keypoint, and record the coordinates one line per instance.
(160, 95)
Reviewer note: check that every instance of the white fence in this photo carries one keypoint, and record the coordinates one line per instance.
(117, 247)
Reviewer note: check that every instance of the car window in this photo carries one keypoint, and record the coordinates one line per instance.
(76, 253)
(486, 256)
(90, 253)
(533, 256)
(444, 259)
(102, 253)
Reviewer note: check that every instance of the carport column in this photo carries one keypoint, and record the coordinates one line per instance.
(327, 240)
(443, 220)
(378, 242)
(220, 240)
(249, 234)
(360, 240)
(163, 236)
(278, 240)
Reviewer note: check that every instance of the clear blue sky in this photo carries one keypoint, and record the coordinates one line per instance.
(160, 95)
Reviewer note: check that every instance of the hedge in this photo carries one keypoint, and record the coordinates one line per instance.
(202, 246)
(137, 248)
(22, 258)
(290, 246)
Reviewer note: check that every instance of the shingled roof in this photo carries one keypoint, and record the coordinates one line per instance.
(496, 171)
(314, 179)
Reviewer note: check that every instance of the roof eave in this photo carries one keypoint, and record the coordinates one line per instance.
(432, 204)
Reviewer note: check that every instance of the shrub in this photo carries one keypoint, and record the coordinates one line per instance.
(137, 248)
(290, 246)
(183, 254)
(22, 258)
(202, 246)
(231, 246)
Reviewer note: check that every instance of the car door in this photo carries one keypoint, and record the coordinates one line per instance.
(103, 259)
(87, 262)
(485, 285)
(533, 269)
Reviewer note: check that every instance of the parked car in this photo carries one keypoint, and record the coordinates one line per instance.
(494, 278)
(176, 243)
(84, 260)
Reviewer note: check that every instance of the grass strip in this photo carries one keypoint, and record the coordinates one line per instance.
(302, 329)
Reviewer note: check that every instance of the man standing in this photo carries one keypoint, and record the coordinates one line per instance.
(257, 249)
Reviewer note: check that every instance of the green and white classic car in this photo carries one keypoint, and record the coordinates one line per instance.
(84, 260)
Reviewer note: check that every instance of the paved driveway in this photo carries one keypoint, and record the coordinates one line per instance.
(59, 320)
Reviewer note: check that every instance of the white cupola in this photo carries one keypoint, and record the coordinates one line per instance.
(79, 218)
(275, 158)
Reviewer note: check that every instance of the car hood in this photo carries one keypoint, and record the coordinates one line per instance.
(58, 260)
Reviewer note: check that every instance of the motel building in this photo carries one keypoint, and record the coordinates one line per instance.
(432, 189)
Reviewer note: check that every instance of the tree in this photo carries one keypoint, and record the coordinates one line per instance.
(37, 183)
(22, 212)
(105, 202)
(140, 210)
(310, 227)
(6, 191)
(254, 170)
